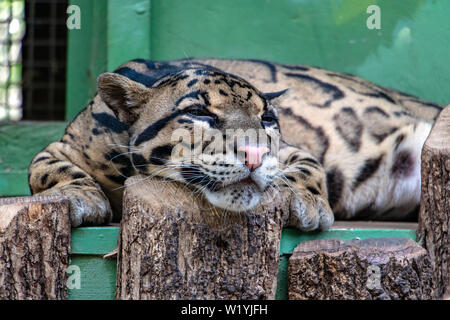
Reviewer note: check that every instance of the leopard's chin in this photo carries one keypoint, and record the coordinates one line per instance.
(237, 197)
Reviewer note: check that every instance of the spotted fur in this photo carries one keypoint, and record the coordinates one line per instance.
(349, 146)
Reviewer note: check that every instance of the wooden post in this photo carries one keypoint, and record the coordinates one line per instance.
(174, 246)
(34, 247)
(434, 217)
(382, 268)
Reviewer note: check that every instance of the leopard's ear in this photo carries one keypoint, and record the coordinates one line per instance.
(272, 95)
(123, 96)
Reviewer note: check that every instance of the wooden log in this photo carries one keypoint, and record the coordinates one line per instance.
(34, 247)
(434, 216)
(174, 246)
(376, 268)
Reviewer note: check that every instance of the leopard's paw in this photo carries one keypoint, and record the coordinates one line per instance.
(88, 205)
(310, 211)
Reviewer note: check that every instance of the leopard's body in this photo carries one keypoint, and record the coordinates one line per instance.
(350, 145)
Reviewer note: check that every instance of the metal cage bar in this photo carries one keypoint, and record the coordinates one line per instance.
(44, 60)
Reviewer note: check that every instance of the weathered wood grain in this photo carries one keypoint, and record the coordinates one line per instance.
(34, 247)
(185, 249)
(434, 216)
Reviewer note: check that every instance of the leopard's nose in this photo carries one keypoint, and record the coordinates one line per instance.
(253, 155)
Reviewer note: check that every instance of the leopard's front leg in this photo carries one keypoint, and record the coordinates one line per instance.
(51, 173)
(303, 180)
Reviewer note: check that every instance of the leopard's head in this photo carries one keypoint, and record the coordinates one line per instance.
(211, 130)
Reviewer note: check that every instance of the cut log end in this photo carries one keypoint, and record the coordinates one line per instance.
(174, 246)
(385, 268)
(440, 135)
(34, 247)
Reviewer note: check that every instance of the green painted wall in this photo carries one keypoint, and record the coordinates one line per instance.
(408, 52)
(86, 55)
(112, 31)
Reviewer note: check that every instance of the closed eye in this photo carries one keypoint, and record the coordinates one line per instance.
(201, 113)
(269, 117)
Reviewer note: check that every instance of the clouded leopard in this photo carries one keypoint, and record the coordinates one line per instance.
(340, 146)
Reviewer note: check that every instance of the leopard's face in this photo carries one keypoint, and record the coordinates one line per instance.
(210, 130)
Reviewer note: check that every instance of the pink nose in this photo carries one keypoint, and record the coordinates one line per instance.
(253, 155)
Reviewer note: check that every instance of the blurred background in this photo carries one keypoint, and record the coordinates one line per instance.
(48, 72)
